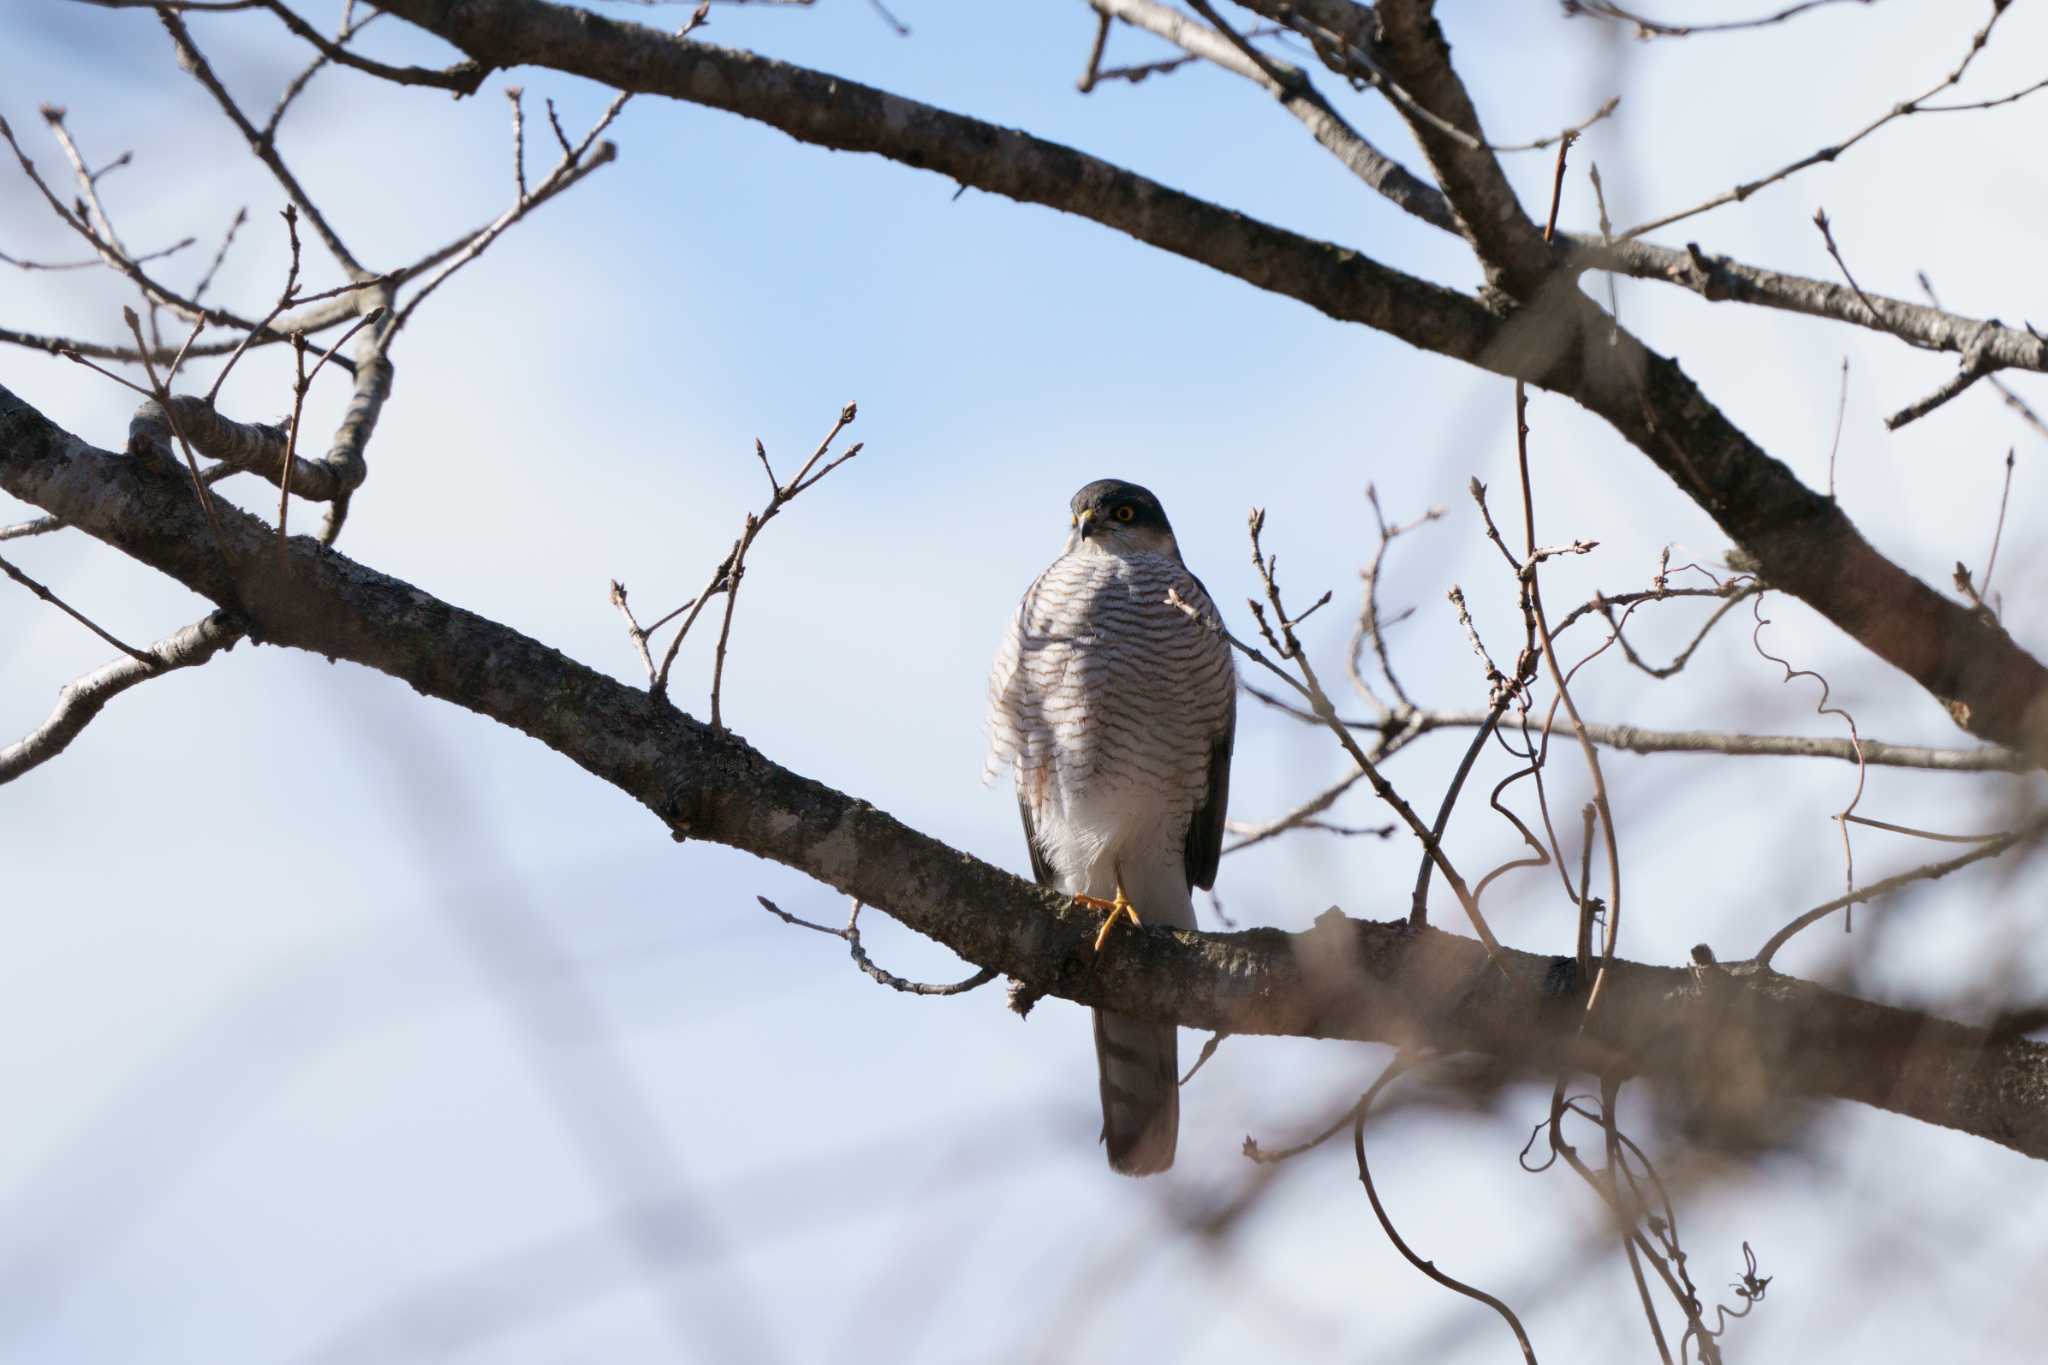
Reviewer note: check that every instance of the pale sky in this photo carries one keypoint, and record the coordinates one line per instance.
(343, 1025)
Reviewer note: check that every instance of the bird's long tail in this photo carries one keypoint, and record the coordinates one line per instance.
(1140, 1069)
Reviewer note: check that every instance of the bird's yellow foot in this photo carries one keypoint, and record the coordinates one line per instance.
(1119, 908)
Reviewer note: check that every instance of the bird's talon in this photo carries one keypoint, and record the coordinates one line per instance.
(1120, 908)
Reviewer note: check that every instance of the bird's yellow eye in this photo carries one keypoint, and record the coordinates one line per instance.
(1125, 512)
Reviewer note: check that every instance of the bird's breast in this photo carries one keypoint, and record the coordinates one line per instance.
(1121, 683)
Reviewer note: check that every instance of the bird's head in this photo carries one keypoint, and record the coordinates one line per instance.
(1118, 518)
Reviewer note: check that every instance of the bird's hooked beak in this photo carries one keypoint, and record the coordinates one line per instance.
(1085, 525)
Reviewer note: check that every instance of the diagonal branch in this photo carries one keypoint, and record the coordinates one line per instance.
(463, 78)
(1713, 277)
(1510, 246)
(1718, 278)
(1803, 542)
(1636, 740)
(192, 60)
(82, 698)
(1291, 87)
(1700, 1033)
(1901, 109)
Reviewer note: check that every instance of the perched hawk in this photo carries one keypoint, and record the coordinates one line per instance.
(1114, 700)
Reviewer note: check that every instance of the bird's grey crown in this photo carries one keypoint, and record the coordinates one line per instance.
(1104, 496)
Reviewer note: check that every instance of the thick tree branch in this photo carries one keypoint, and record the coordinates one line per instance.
(1802, 540)
(830, 111)
(1344, 32)
(1509, 245)
(1721, 1034)
(1718, 278)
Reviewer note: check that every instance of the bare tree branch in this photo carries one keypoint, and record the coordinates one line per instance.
(1804, 543)
(1652, 28)
(81, 699)
(1828, 153)
(192, 60)
(1344, 978)
(1291, 87)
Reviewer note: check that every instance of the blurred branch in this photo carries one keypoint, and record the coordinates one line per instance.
(1429, 1268)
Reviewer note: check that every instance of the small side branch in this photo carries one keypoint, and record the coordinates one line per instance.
(851, 934)
(190, 58)
(1902, 109)
(1647, 28)
(61, 605)
(2028, 833)
(726, 577)
(1279, 635)
(83, 698)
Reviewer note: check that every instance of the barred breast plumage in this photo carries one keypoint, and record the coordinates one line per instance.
(1102, 680)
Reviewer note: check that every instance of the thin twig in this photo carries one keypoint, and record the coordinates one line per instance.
(1822, 708)
(512, 96)
(161, 392)
(725, 578)
(1652, 28)
(1092, 71)
(20, 264)
(1609, 1094)
(1927, 834)
(1369, 622)
(1260, 1156)
(195, 62)
(2005, 390)
(1841, 412)
(1557, 677)
(1310, 688)
(227, 240)
(1684, 656)
(1829, 153)
(633, 630)
(1820, 220)
(61, 605)
(851, 936)
(2032, 830)
(1998, 530)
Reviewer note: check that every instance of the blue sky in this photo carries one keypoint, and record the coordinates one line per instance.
(342, 1025)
